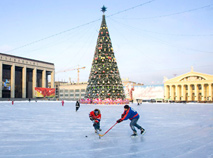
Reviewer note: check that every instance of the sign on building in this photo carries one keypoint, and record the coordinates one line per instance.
(44, 92)
(149, 92)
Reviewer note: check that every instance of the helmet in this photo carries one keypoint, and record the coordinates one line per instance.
(126, 107)
(96, 111)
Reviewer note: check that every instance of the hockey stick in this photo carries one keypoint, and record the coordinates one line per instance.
(101, 135)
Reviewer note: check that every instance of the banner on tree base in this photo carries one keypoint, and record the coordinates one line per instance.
(105, 101)
(44, 92)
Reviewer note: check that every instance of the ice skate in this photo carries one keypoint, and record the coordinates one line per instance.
(134, 134)
(142, 131)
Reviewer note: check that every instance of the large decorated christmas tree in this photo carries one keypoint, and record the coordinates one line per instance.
(104, 84)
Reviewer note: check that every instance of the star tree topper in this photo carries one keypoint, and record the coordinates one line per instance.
(103, 9)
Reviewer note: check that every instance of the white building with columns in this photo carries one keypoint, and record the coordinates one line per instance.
(19, 76)
(192, 86)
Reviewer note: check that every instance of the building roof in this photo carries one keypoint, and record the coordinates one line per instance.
(191, 76)
(26, 58)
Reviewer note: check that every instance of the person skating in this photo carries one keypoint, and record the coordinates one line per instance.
(77, 105)
(95, 117)
(133, 116)
(62, 102)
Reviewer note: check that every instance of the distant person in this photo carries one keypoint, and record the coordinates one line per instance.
(62, 102)
(133, 116)
(95, 117)
(29, 99)
(77, 105)
(12, 102)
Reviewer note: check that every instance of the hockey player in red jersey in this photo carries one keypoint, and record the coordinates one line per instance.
(95, 117)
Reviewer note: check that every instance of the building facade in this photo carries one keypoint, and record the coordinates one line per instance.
(73, 91)
(19, 76)
(192, 86)
(57, 85)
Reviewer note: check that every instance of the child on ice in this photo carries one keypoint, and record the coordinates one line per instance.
(95, 117)
(133, 116)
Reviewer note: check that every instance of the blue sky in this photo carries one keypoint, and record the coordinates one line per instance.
(155, 38)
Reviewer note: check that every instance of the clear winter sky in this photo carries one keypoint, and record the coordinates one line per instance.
(151, 38)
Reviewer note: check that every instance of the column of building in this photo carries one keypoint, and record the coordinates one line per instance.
(196, 92)
(1, 70)
(24, 81)
(183, 92)
(44, 79)
(52, 79)
(34, 81)
(166, 91)
(203, 92)
(13, 80)
(189, 92)
(177, 93)
(172, 91)
(210, 91)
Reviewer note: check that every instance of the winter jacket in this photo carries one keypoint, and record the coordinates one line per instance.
(130, 114)
(97, 117)
(77, 104)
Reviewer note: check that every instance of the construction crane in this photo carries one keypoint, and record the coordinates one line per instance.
(78, 70)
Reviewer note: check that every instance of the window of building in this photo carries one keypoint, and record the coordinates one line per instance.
(77, 95)
(71, 94)
(83, 90)
(77, 90)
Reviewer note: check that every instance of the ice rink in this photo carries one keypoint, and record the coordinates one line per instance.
(48, 130)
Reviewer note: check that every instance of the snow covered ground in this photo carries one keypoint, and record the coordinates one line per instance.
(48, 130)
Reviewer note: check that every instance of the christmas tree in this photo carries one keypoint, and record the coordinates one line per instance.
(104, 84)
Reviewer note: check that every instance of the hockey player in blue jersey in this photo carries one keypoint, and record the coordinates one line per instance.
(133, 116)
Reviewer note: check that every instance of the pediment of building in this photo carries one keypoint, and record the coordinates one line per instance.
(191, 76)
